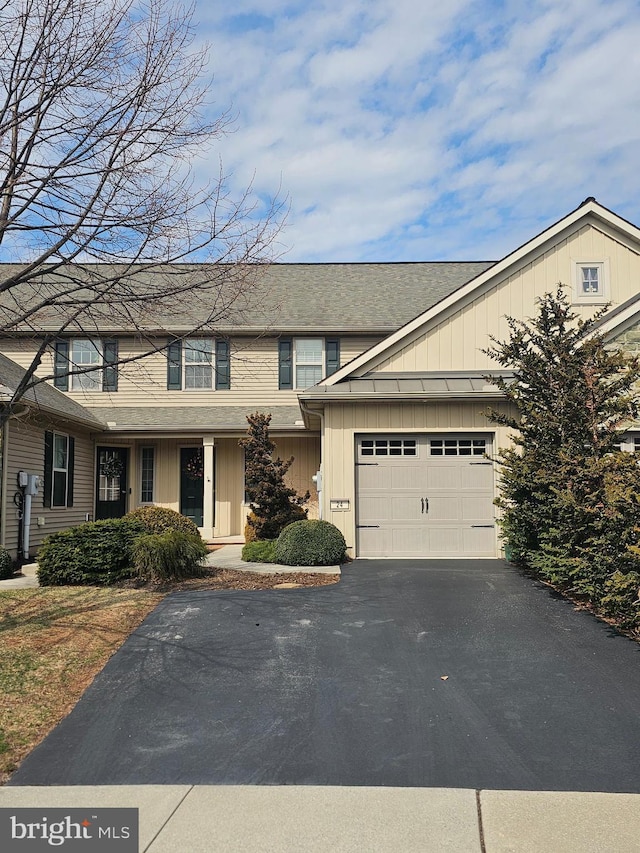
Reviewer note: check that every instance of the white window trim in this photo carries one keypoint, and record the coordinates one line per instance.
(322, 364)
(76, 378)
(580, 298)
(185, 347)
(55, 469)
(153, 475)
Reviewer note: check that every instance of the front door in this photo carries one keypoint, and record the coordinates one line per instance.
(111, 482)
(192, 484)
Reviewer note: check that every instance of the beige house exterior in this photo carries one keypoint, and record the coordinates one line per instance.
(375, 376)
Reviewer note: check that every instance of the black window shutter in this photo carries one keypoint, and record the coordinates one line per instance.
(48, 468)
(70, 469)
(332, 353)
(285, 364)
(110, 368)
(61, 365)
(223, 366)
(174, 366)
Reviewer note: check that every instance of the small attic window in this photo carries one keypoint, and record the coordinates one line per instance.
(591, 282)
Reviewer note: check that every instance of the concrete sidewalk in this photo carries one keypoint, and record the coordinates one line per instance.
(230, 557)
(307, 819)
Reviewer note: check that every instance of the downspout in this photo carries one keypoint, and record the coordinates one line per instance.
(3, 480)
(4, 472)
(320, 415)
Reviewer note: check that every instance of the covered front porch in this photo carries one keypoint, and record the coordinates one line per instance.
(197, 473)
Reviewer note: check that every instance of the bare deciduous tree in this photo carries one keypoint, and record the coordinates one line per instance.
(102, 216)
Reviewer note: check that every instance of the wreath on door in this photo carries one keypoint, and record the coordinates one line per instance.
(112, 466)
(194, 467)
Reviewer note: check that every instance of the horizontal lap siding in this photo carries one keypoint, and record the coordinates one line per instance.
(26, 453)
(254, 375)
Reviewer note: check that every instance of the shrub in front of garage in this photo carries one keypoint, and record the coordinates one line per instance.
(311, 542)
(98, 553)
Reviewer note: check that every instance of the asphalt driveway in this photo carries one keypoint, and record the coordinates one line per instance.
(436, 673)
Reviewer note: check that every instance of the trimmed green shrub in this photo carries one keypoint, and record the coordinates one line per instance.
(6, 565)
(310, 543)
(158, 519)
(172, 555)
(260, 551)
(97, 553)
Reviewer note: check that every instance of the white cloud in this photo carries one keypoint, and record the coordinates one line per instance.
(421, 131)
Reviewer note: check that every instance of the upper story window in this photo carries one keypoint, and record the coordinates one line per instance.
(308, 361)
(85, 364)
(198, 364)
(591, 283)
(303, 362)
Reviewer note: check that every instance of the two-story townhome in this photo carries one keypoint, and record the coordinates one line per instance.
(166, 427)
(374, 374)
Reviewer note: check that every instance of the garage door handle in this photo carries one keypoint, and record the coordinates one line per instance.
(360, 526)
(422, 502)
(483, 525)
(426, 506)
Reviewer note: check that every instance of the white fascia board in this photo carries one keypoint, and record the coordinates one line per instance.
(499, 269)
(607, 327)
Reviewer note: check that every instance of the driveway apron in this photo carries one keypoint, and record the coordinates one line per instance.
(439, 673)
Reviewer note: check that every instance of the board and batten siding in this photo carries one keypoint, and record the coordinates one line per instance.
(346, 420)
(456, 340)
(254, 374)
(25, 452)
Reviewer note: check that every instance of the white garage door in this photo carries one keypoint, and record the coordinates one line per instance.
(425, 496)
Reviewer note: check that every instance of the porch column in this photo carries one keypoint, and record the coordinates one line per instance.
(208, 513)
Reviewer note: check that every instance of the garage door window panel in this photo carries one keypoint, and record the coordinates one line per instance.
(457, 447)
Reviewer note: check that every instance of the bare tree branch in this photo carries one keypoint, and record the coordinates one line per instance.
(103, 223)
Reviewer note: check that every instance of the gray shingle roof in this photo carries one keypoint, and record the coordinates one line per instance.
(360, 297)
(197, 418)
(44, 396)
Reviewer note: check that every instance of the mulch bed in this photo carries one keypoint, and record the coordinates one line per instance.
(221, 579)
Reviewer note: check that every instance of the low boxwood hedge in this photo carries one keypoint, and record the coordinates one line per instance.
(312, 542)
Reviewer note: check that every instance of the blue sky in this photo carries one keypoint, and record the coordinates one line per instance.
(401, 130)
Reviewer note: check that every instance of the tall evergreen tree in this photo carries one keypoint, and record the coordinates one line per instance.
(273, 503)
(569, 502)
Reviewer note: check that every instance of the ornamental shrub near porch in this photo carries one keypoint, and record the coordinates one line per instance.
(311, 542)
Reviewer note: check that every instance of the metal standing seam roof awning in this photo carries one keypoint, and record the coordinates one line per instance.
(410, 386)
